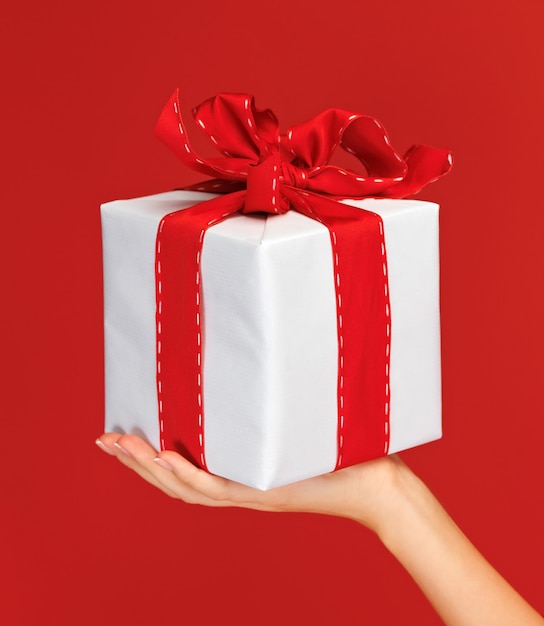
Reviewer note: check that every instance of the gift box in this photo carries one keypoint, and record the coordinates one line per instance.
(270, 340)
(279, 330)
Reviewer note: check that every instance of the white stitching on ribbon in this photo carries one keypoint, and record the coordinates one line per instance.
(388, 340)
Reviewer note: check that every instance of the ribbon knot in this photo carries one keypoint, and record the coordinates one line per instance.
(266, 182)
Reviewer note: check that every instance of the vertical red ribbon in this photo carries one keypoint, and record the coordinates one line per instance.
(363, 324)
(179, 323)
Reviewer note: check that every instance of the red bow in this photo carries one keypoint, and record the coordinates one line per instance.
(270, 165)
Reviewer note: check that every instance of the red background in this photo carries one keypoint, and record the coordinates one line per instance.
(87, 542)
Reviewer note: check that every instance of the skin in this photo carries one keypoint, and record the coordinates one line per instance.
(385, 496)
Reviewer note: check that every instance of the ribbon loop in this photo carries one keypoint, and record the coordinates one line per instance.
(236, 127)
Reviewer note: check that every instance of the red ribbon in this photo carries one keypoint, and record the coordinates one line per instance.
(262, 170)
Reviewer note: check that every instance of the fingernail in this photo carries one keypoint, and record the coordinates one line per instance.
(123, 450)
(163, 463)
(104, 447)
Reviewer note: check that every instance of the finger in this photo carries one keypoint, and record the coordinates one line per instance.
(183, 491)
(184, 481)
(219, 491)
(141, 459)
(109, 442)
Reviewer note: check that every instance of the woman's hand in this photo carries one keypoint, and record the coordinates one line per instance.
(385, 496)
(363, 492)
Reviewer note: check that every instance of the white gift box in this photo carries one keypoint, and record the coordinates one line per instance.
(270, 334)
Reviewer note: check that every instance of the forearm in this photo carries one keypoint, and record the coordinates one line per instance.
(461, 585)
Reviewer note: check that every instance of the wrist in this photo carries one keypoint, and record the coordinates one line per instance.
(383, 494)
(396, 496)
(411, 509)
